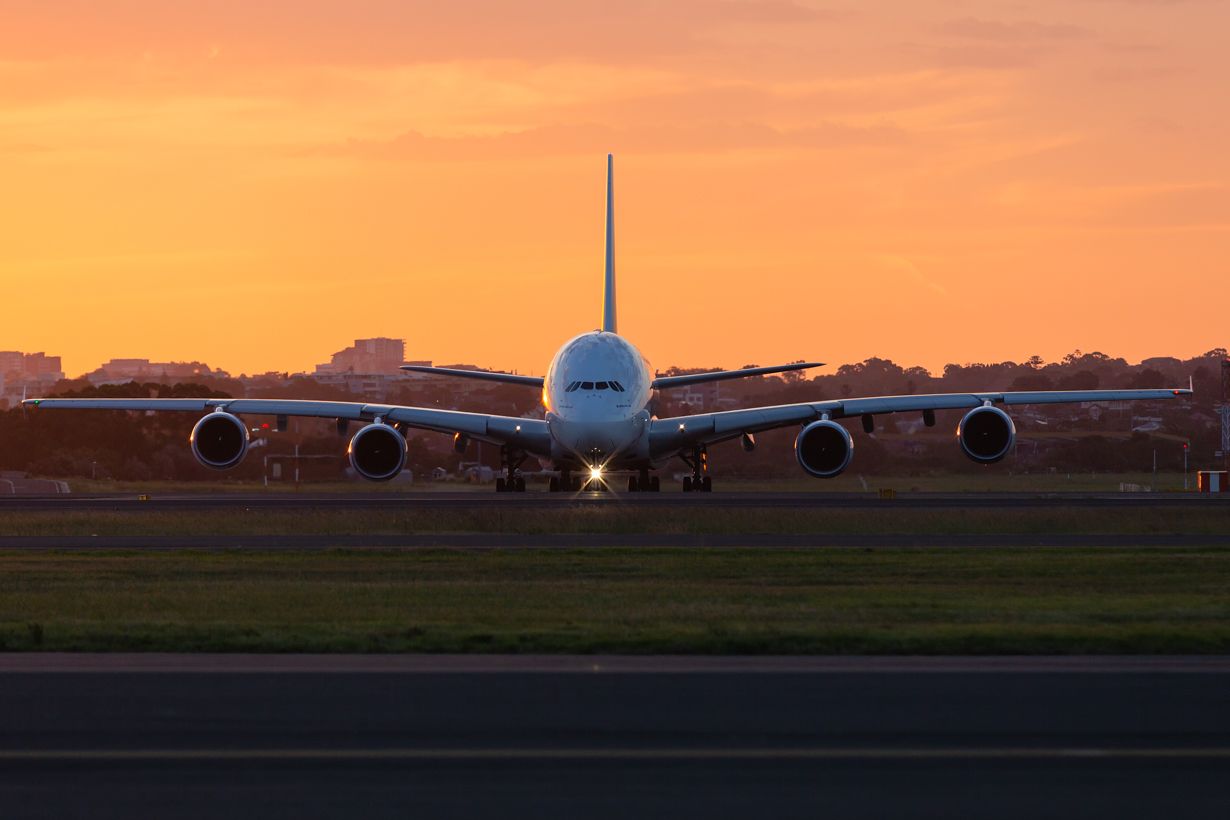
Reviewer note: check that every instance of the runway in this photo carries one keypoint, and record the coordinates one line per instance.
(133, 502)
(596, 737)
(588, 540)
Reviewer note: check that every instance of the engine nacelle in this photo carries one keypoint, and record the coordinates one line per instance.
(824, 448)
(219, 441)
(377, 452)
(986, 434)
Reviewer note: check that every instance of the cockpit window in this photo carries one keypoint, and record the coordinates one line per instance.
(609, 385)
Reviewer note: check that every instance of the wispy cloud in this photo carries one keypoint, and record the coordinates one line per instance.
(1017, 31)
(595, 139)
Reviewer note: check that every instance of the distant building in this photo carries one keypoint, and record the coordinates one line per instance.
(369, 367)
(379, 355)
(17, 367)
(27, 374)
(122, 371)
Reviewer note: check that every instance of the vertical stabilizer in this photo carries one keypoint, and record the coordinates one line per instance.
(608, 295)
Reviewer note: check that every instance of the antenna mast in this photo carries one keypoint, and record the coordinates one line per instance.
(1225, 412)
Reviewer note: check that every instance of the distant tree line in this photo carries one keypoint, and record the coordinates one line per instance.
(142, 447)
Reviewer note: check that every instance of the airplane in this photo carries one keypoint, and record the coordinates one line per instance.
(598, 420)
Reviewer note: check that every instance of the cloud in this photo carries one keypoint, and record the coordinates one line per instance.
(905, 268)
(983, 56)
(375, 32)
(1188, 206)
(1015, 32)
(595, 138)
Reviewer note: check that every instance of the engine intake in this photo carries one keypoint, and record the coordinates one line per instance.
(377, 452)
(824, 448)
(219, 440)
(986, 434)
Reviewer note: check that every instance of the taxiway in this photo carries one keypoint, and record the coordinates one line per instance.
(500, 736)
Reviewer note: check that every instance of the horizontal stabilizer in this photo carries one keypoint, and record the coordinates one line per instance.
(485, 375)
(666, 382)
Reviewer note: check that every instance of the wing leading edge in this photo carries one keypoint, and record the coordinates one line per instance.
(531, 435)
(709, 428)
(482, 375)
(667, 382)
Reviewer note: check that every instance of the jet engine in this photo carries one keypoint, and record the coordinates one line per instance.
(986, 434)
(824, 448)
(377, 452)
(219, 440)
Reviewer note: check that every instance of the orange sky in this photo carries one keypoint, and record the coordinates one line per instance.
(255, 184)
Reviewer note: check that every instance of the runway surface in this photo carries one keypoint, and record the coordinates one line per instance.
(596, 737)
(539, 500)
(585, 540)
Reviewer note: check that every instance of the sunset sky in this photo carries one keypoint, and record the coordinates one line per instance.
(255, 184)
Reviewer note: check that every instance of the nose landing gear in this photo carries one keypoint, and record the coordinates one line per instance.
(564, 483)
(643, 482)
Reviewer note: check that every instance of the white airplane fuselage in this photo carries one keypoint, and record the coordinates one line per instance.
(597, 395)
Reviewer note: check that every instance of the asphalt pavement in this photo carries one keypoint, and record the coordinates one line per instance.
(596, 737)
(540, 499)
(301, 542)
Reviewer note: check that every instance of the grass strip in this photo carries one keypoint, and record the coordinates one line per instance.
(582, 518)
(941, 601)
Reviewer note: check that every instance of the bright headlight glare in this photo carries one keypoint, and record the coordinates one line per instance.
(595, 472)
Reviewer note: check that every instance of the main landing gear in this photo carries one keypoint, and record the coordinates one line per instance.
(699, 481)
(512, 481)
(643, 482)
(564, 483)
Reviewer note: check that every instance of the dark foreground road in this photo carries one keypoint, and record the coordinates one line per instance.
(193, 736)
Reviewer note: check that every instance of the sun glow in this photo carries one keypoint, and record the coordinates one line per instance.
(147, 147)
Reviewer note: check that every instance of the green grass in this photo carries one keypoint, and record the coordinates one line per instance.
(885, 517)
(643, 601)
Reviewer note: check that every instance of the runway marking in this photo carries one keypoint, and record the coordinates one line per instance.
(633, 754)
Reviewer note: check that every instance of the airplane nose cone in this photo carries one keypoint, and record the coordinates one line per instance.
(591, 442)
(594, 439)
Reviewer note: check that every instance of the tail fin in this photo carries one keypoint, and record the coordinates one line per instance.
(608, 297)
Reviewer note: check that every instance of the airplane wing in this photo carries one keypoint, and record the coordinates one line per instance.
(530, 435)
(667, 382)
(709, 428)
(483, 375)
